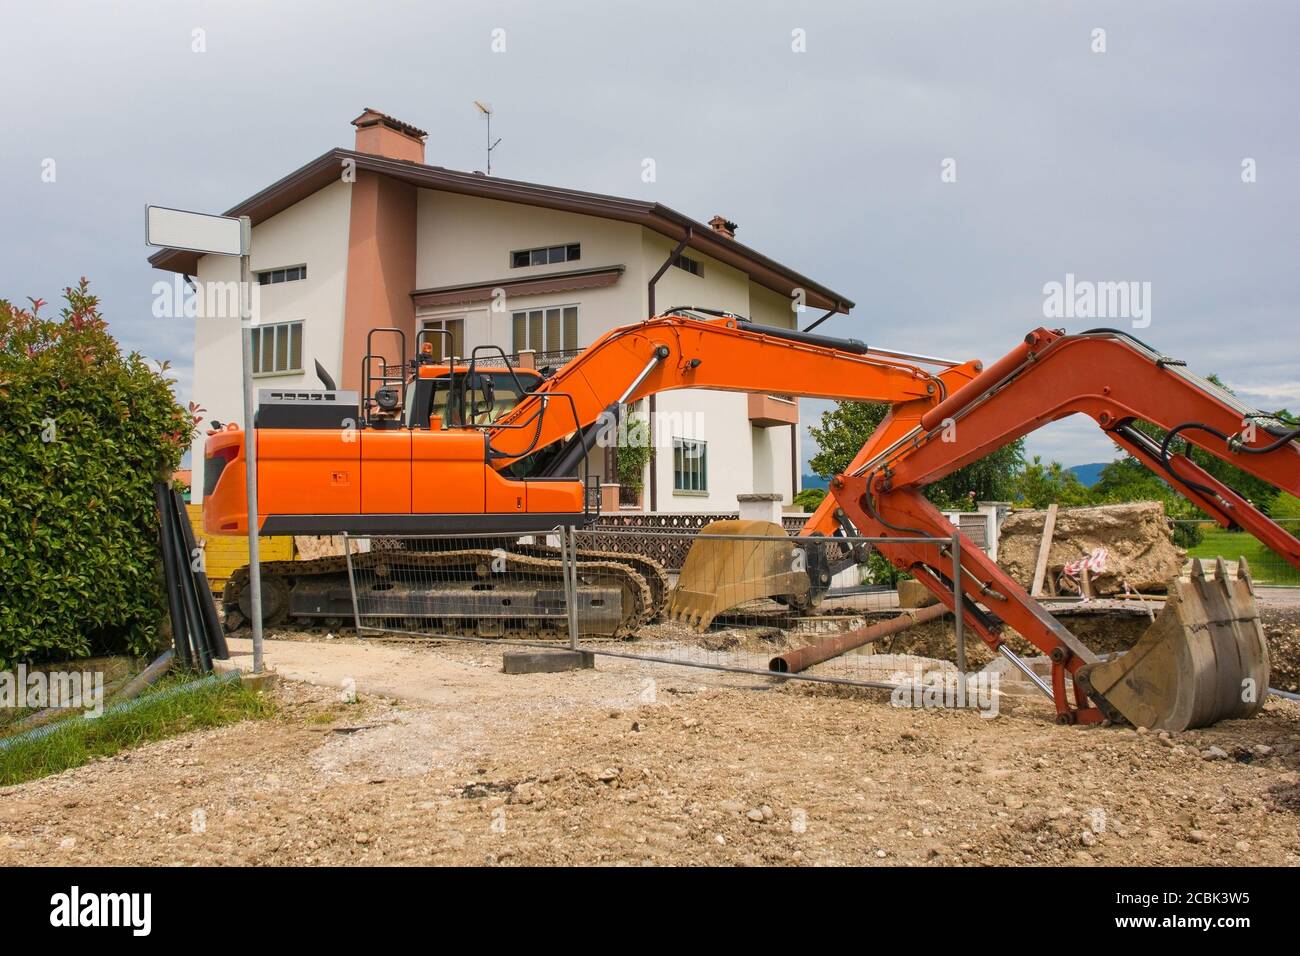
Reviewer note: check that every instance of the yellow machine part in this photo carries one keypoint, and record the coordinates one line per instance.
(719, 574)
(224, 553)
(1203, 660)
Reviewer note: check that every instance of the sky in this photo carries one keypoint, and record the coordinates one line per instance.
(941, 164)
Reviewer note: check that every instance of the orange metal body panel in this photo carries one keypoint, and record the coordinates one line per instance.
(225, 509)
(558, 496)
(504, 495)
(447, 472)
(303, 470)
(385, 470)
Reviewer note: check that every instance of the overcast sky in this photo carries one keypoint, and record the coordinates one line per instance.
(1122, 165)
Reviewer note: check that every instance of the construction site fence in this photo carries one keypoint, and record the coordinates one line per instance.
(568, 588)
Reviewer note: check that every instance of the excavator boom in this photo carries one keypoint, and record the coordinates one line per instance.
(1207, 659)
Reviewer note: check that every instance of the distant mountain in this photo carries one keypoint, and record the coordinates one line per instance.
(815, 481)
(1088, 474)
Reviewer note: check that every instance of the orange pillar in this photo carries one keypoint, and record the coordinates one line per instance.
(381, 271)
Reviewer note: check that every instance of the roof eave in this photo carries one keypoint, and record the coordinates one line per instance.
(664, 220)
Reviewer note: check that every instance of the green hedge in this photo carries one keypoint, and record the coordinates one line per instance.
(85, 432)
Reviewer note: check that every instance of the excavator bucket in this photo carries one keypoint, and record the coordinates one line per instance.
(1204, 659)
(718, 573)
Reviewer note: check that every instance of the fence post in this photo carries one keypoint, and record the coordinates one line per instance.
(352, 583)
(569, 556)
(959, 629)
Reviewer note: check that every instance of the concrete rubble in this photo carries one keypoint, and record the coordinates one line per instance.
(1137, 539)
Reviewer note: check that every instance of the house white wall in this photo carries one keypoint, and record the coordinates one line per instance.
(464, 240)
(313, 232)
(741, 458)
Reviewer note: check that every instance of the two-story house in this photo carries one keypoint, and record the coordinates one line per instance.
(372, 237)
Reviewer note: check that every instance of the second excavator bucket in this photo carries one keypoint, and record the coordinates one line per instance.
(1204, 659)
(732, 562)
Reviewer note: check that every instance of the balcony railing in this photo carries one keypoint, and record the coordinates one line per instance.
(554, 360)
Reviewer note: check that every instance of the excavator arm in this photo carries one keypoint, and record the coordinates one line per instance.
(1208, 659)
(724, 353)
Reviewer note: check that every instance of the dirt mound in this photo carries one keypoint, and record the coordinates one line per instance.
(1127, 542)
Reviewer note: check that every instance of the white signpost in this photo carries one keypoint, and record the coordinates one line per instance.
(225, 236)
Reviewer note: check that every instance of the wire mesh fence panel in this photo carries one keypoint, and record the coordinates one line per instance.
(1207, 540)
(815, 608)
(498, 587)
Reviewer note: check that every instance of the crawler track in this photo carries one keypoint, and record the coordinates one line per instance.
(641, 581)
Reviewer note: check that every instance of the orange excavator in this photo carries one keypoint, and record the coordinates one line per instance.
(473, 446)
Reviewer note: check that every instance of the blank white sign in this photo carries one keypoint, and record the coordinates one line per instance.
(192, 231)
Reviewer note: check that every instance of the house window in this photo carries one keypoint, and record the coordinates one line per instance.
(545, 255)
(276, 276)
(690, 466)
(546, 330)
(277, 349)
(693, 266)
(439, 342)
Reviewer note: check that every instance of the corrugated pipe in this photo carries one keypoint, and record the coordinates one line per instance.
(123, 707)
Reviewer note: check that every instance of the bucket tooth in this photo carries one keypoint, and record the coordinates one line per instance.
(719, 574)
(1203, 660)
(1243, 573)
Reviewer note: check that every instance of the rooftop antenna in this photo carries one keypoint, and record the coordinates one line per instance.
(486, 110)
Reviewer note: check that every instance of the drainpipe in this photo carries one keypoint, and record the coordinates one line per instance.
(794, 462)
(650, 300)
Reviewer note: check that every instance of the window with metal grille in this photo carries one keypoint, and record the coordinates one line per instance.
(277, 349)
(276, 276)
(690, 466)
(546, 330)
(545, 255)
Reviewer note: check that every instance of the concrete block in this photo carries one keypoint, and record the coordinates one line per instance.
(259, 682)
(914, 594)
(242, 664)
(546, 662)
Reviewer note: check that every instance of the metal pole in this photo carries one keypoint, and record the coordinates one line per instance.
(959, 624)
(571, 585)
(250, 441)
(352, 584)
(1025, 669)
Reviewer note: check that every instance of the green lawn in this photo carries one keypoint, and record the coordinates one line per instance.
(78, 740)
(1265, 566)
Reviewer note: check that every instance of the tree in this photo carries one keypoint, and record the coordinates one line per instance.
(1127, 479)
(810, 498)
(85, 432)
(1286, 507)
(845, 429)
(1037, 485)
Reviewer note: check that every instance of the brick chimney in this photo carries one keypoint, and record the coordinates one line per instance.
(382, 135)
(723, 225)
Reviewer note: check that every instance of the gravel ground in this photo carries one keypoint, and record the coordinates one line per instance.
(633, 764)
